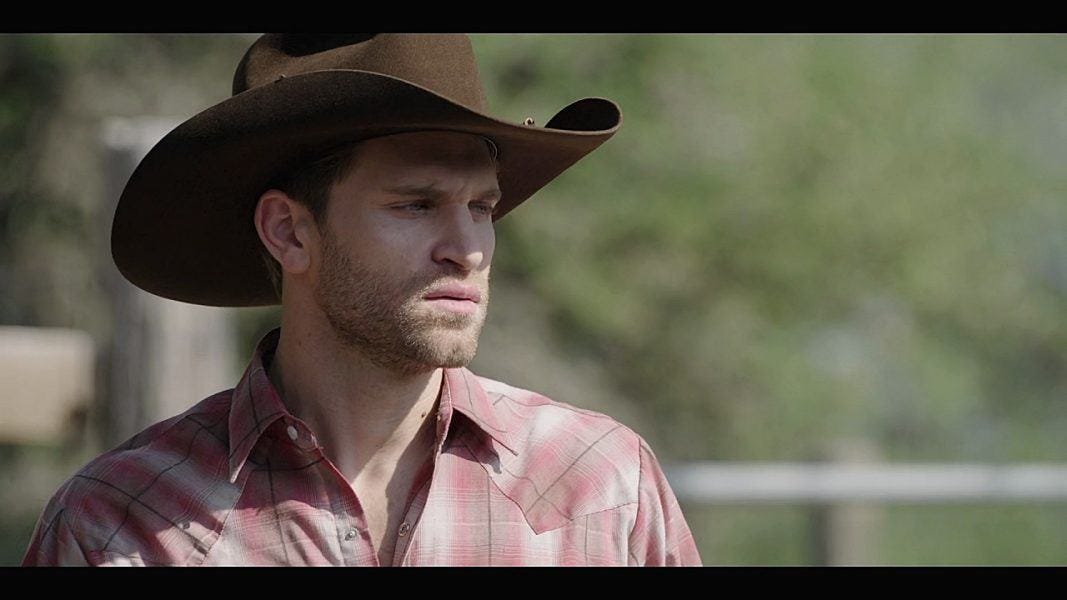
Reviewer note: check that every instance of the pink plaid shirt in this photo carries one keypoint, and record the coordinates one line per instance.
(517, 479)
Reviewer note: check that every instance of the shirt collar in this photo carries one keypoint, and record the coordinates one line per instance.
(257, 404)
(461, 389)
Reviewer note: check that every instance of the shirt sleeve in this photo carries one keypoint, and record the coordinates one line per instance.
(660, 536)
(53, 543)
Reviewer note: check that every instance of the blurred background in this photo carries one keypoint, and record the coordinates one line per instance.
(798, 252)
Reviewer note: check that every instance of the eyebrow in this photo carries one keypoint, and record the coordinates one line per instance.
(430, 191)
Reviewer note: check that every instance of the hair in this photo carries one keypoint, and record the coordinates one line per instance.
(310, 184)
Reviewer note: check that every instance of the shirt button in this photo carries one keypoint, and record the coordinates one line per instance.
(404, 528)
(350, 535)
(292, 432)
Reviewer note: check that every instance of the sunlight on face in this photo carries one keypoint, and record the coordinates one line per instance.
(414, 218)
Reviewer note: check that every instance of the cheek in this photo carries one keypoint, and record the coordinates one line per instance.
(490, 246)
(371, 251)
(405, 250)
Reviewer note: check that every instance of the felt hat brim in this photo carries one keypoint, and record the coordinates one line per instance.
(183, 226)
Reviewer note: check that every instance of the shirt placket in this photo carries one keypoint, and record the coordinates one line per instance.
(350, 522)
(421, 495)
(413, 513)
(353, 533)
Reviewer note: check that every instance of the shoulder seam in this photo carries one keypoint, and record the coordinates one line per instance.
(557, 404)
(171, 422)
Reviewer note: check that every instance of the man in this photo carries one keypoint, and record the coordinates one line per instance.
(362, 177)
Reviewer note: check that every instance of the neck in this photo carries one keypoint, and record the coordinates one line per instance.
(365, 416)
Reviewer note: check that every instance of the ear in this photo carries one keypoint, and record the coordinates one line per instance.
(287, 229)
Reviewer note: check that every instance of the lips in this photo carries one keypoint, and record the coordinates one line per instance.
(455, 298)
(456, 292)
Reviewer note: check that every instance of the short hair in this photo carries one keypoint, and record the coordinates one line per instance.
(310, 184)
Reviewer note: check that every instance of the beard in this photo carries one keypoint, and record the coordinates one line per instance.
(386, 319)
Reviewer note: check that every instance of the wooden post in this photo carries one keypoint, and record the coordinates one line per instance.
(164, 356)
(845, 533)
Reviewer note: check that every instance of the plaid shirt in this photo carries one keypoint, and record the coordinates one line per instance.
(517, 479)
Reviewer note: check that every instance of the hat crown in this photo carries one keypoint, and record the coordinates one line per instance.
(442, 63)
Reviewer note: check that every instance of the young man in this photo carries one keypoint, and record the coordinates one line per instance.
(362, 174)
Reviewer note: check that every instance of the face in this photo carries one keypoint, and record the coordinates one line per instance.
(406, 249)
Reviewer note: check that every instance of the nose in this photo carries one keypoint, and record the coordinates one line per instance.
(463, 241)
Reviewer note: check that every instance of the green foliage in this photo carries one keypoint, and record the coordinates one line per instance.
(752, 535)
(30, 72)
(797, 237)
(974, 535)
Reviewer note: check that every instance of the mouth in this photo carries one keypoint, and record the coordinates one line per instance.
(454, 305)
(456, 292)
(455, 298)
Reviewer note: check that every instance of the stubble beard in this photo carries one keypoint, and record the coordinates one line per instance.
(387, 320)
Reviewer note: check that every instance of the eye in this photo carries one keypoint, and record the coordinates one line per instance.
(416, 206)
(483, 208)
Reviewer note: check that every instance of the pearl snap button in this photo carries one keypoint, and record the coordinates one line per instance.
(404, 528)
(350, 535)
(292, 432)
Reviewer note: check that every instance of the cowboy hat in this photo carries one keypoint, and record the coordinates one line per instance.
(183, 226)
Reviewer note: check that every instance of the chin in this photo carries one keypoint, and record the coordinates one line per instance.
(425, 359)
(454, 355)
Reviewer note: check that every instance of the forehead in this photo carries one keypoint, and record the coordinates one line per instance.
(425, 153)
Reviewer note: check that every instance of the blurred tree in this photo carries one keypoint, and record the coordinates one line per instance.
(30, 74)
(794, 238)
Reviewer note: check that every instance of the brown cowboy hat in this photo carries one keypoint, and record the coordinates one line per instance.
(183, 227)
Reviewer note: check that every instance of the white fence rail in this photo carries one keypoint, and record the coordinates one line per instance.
(808, 483)
(845, 498)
